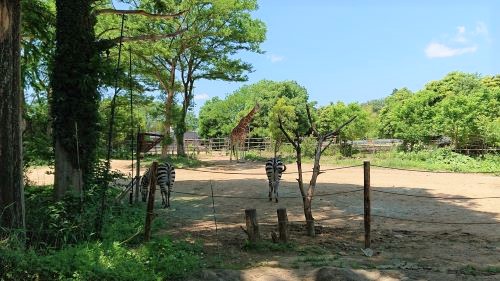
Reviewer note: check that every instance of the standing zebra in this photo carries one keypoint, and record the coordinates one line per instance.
(274, 170)
(165, 179)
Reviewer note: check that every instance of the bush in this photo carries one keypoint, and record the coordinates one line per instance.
(160, 259)
(61, 245)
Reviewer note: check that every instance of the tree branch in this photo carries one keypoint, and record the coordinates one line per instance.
(280, 123)
(148, 37)
(328, 145)
(336, 132)
(138, 12)
(313, 126)
(155, 67)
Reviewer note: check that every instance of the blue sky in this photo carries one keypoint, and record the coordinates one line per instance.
(361, 50)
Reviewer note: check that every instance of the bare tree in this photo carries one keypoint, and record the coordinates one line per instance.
(329, 137)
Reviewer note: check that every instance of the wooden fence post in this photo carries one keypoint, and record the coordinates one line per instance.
(151, 202)
(367, 216)
(252, 225)
(284, 233)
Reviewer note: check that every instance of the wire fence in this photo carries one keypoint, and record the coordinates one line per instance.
(350, 192)
(332, 220)
(426, 171)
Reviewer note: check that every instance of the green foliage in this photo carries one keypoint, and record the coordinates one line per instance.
(74, 81)
(475, 270)
(461, 106)
(334, 115)
(176, 160)
(440, 159)
(37, 140)
(160, 259)
(52, 224)
(145, 113)
(218, 117)
(38, 36)
(61, 245)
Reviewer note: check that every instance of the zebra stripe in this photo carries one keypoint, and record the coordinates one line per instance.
(165, 178)
(274, 170)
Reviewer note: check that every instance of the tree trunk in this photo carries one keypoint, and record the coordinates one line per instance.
(179, 134)
(74, 95)
(310, 189)
(306, 197)
(67, 177)
(169, 107)
(11, 175)
(167, 125)
(181, 125)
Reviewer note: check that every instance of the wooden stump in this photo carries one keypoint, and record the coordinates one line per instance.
(284, 233)
(252, 225)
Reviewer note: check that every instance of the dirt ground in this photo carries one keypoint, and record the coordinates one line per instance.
(403, 249)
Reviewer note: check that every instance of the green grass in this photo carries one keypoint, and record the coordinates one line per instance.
(426, 160)
(319, 261)
(478, 270)
(268, 246)
(62, 245)
(439, 159)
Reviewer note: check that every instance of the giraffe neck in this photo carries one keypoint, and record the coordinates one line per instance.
(248, 118)
(239, 132)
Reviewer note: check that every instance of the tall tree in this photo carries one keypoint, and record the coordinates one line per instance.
(11, 183)
(218, 32)
(74, 82)
(74, 103)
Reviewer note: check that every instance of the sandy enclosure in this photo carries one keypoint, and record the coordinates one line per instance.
(248, 181)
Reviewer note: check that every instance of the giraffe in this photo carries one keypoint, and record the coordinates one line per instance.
(239, 133)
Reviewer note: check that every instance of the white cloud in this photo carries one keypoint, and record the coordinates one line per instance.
(201, 97)
(461, 36)
(438, 50)
(466, 40)
(481, 29)
(275, 58)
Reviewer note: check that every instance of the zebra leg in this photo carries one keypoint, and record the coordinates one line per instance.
(276, 186)
(163, 191)
(270, 191)
(169, 190)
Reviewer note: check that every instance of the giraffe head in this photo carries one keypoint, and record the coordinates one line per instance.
(257, 106)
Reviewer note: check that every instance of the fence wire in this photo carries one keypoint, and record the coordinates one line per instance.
(435, 197)
(351, 191)
(423, 171)
(433, 222)
(263, 174)
(263, 198)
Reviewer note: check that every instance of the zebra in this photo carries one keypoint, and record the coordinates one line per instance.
(165, 176)
(274, 170)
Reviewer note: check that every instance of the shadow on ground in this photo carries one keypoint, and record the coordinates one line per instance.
(403, 249)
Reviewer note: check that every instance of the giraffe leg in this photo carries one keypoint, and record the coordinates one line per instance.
(231, 151)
